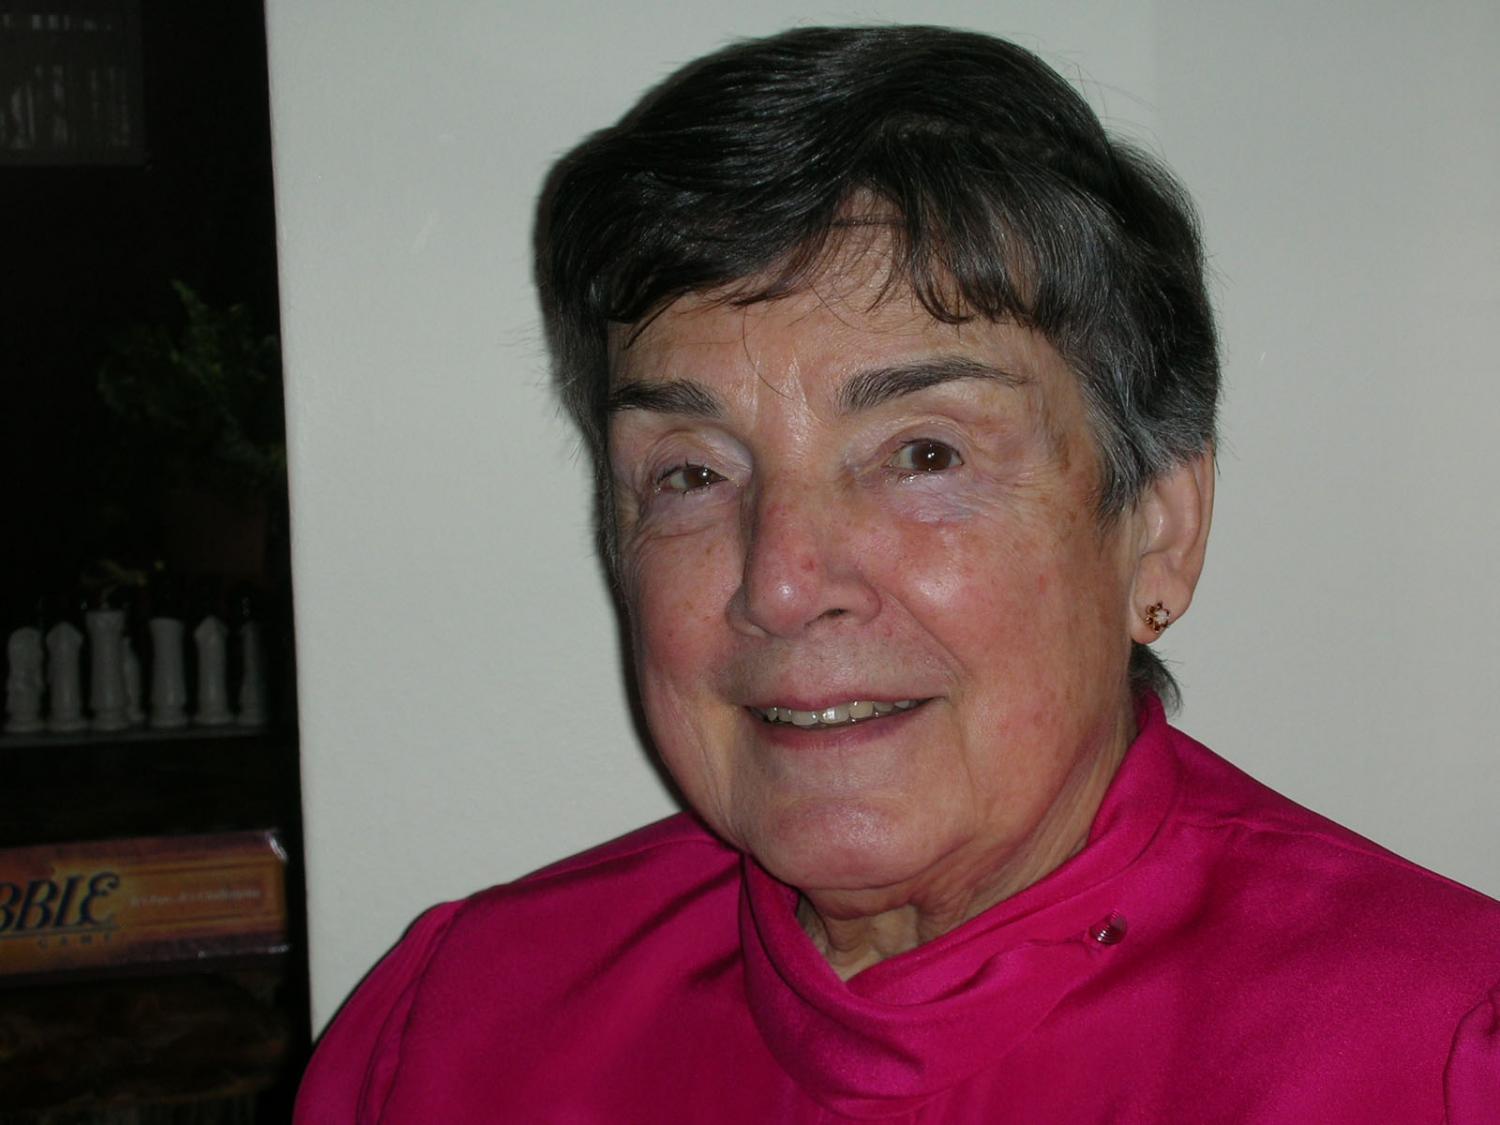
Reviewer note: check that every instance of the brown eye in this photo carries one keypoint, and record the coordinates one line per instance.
(926, 456)
(687, 478)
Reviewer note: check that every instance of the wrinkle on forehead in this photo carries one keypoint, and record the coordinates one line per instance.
(855, 300)
(793, 375)
(852, 274)
(859, 287)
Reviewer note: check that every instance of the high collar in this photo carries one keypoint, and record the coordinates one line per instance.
(914, 1025)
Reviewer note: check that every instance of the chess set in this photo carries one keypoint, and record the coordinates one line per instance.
(66, 680)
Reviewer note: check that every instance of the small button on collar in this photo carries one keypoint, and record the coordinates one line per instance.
(1110, 931)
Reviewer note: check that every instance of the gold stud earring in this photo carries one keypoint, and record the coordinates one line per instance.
(1158, 617)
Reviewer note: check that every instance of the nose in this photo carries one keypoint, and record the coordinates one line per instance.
(802, 564)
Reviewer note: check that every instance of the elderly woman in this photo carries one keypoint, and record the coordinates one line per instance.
(900, 377)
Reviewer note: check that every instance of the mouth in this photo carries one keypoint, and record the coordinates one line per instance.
(837, 715)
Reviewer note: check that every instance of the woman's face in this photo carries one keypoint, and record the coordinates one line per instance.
(881, 636)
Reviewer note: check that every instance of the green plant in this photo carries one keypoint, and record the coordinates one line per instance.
(201, 402)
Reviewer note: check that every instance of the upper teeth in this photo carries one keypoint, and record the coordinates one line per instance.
(850, 712)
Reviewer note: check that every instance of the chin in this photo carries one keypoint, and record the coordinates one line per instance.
(842, 847)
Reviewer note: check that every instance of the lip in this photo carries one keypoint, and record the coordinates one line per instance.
(846, 736)
(856, 711)
(829, 699)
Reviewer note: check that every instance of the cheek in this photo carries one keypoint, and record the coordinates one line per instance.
(677, 592)
(1014, 600)
(955, 579)
(980, 547)
(958, 574)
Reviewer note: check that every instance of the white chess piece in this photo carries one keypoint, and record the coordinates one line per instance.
(107, 668)
(23, 684)
(252, 677)
(168, 681)
(130, 667)
(213, 673)
(64, 645)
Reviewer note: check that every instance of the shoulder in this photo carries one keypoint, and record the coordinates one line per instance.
(1278, 925)
(583, 900)
(596, 896)
(521, 947)
(678, 844)
(1254, 819)
(1279, 867)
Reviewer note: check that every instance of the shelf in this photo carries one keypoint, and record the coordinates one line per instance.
(99, 787)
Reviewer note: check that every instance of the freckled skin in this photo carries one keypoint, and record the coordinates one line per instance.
(817, 572)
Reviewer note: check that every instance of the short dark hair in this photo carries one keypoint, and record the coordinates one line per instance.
(1004, 196)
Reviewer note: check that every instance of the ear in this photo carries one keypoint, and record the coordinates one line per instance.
(1172, 520)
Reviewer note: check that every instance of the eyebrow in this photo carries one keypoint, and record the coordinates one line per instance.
(871, 388)
(679, 396)
(863, 391)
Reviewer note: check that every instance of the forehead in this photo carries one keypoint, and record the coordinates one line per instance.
(851, 302)
(853, 288)
(821, 343)
(823, 330)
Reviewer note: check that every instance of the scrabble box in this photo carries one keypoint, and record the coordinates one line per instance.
(148, 901)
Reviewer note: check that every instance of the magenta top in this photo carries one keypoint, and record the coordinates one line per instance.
(1215, 953)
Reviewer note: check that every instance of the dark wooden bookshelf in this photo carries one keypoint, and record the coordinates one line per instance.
(98, 239)
(221, 1041)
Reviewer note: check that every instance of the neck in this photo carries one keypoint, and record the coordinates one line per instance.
(857, 929)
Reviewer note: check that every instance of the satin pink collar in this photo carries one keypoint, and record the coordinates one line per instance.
(906, 1029)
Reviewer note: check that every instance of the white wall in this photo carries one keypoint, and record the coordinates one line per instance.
(462, 711)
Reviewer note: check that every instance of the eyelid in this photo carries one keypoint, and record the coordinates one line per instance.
(920, 470)
(647, 449)
(659, 484)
